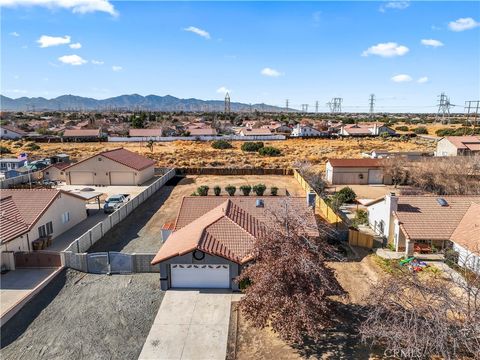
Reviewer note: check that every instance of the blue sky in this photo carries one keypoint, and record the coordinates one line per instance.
(406, 53)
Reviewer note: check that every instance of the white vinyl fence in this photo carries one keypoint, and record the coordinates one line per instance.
(75, 255)
(196, 138)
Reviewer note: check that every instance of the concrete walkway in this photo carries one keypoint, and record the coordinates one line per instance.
(190, 324)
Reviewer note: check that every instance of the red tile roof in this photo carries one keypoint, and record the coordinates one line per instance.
(256, 132)
(467, 234)
(82, 132)
(124, 157)
(465, 142)
(355, 162)
(13, 129)
(228, 226)
(202, 132)
(145, 132)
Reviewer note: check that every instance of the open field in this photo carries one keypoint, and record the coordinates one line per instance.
(201, 154)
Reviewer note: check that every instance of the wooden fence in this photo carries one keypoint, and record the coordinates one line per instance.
(232, 171)
(357, 238)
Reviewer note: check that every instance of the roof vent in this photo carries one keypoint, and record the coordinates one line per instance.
(442, 202)
(259, 203)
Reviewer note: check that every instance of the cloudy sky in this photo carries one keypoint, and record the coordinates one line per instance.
(404, 52)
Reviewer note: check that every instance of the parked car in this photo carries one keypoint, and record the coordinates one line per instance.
(114, 202)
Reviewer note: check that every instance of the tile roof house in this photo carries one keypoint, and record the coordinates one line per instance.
(214, 236)
(458, 145)
(355, 171)
(365, 129)
(420, 223)
(204, 131)
(255, 132)
(148, 133)
(10, 132)
(29, 214)
(82, 134)
(111, 167)
(55, 171)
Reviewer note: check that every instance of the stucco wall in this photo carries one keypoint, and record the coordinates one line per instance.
(467, 259)
(446, 148)
(53, 173)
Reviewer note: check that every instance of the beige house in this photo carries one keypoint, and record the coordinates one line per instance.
(55, 172)
(31, 214)
(458, 145)
(355, 171)
(113, 167)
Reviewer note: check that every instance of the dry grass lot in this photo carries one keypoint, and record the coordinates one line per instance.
(201, 154)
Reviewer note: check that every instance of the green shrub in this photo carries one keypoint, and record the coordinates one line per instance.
(246, 189)
(259, 189)
(203, 190)
(31, 146)
(5, 150)
(221, 144)
(217, 190)
(269, 151)
(402, 128)
(230, 189)
(420, 130)
(361, 218)
(347, 195)
(274, 191)
(252, 146)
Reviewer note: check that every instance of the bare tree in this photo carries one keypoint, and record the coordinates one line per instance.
(314, 178)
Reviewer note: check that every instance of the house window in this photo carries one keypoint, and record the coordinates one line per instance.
(49, 228)
(65, 217)
(42, 232)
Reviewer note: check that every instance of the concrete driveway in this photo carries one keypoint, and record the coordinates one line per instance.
(190, 324)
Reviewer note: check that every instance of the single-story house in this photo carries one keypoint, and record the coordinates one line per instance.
(458, 145)
(204, 131)
(255, 132)
(423, 223)
(365, 129)
(31, 214)
(306, 131)
(82, 134)
(355, 171)
(10, 132)
(111, 167)
(277, 127)
(145, 133)
(213, 237)
(55, 171)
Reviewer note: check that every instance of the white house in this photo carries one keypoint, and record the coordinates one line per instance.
(305, 131)
(458, 145)
(365, 129)
(355, 171)
(9, 132)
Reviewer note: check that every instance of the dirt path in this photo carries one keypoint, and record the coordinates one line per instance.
(84, 316)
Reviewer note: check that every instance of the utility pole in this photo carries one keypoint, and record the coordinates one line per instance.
(286, 104)
(443, 108)
(371, 102)
(227, 103)
(316, 107)
(471, 109)
(335, 105)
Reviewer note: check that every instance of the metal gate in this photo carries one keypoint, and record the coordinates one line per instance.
(97, 263)
(120, 263)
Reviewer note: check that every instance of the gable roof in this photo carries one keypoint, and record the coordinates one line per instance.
(122, 156)
(206, 131)
(145, 132)
(355, 162)
(467, 233)
(465, 142)
(228, 226)
(82, 132)
(58, 165)
(13, 129)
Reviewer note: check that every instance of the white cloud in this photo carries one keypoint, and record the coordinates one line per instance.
(47, 41)
(198, 31)
(75, 46)
(401, 78)
(77, 6)
(389, 49)
(431, 42)
(72, 60)
(117, 68)
(14, 33)
(97, 62)
(398, 5)
(463, 24)
(423, 80)
(223, 90)
(270, 72)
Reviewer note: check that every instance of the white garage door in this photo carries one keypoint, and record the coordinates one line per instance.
(200, 276)
(375, 176)
(122, 178)
(81, 178)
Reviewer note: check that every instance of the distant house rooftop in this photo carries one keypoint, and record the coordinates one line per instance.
(81, 133)
(145, 132)
(355, 162)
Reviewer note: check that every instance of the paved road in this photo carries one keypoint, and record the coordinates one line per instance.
(190, 324)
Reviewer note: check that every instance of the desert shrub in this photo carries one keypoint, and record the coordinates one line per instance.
(420, 130)
(259, 189)
(347, 194)
(246, 189)
(252, 146)
(221, 144)
(31, 146)
(274, 191)
(5, 150)
(217, 190)
(230, 189)
(269, 151)
(457, 132)
(203, 190)
(402, 128)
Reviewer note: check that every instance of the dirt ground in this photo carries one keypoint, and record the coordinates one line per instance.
(356, 277)
(201, 154)
(84, 316)
(141, 230)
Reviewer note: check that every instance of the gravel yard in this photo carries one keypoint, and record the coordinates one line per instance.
(84, 316)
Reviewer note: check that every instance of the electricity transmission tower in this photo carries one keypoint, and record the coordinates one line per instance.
(444, 106)
(471, 110)
(227, 103)
(316, 107)
(371, 102)
(305, 108)
(286, 104)
(335, 105)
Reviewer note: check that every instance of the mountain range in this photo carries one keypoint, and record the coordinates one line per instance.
(125, 102)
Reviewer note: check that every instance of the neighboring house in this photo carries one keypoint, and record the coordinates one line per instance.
(277, 127)
(254, 132)
(458, 145)
(60, 158)
(428, 222)
(213, 237)
(7, 164)
(205, 131)
(355, 171)
(306, 131)
(410, 155)
(30, 214)
(55, 171)
(145, 133)
(82, 134)
(112, 167)
(365, 129)
(9, 132)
